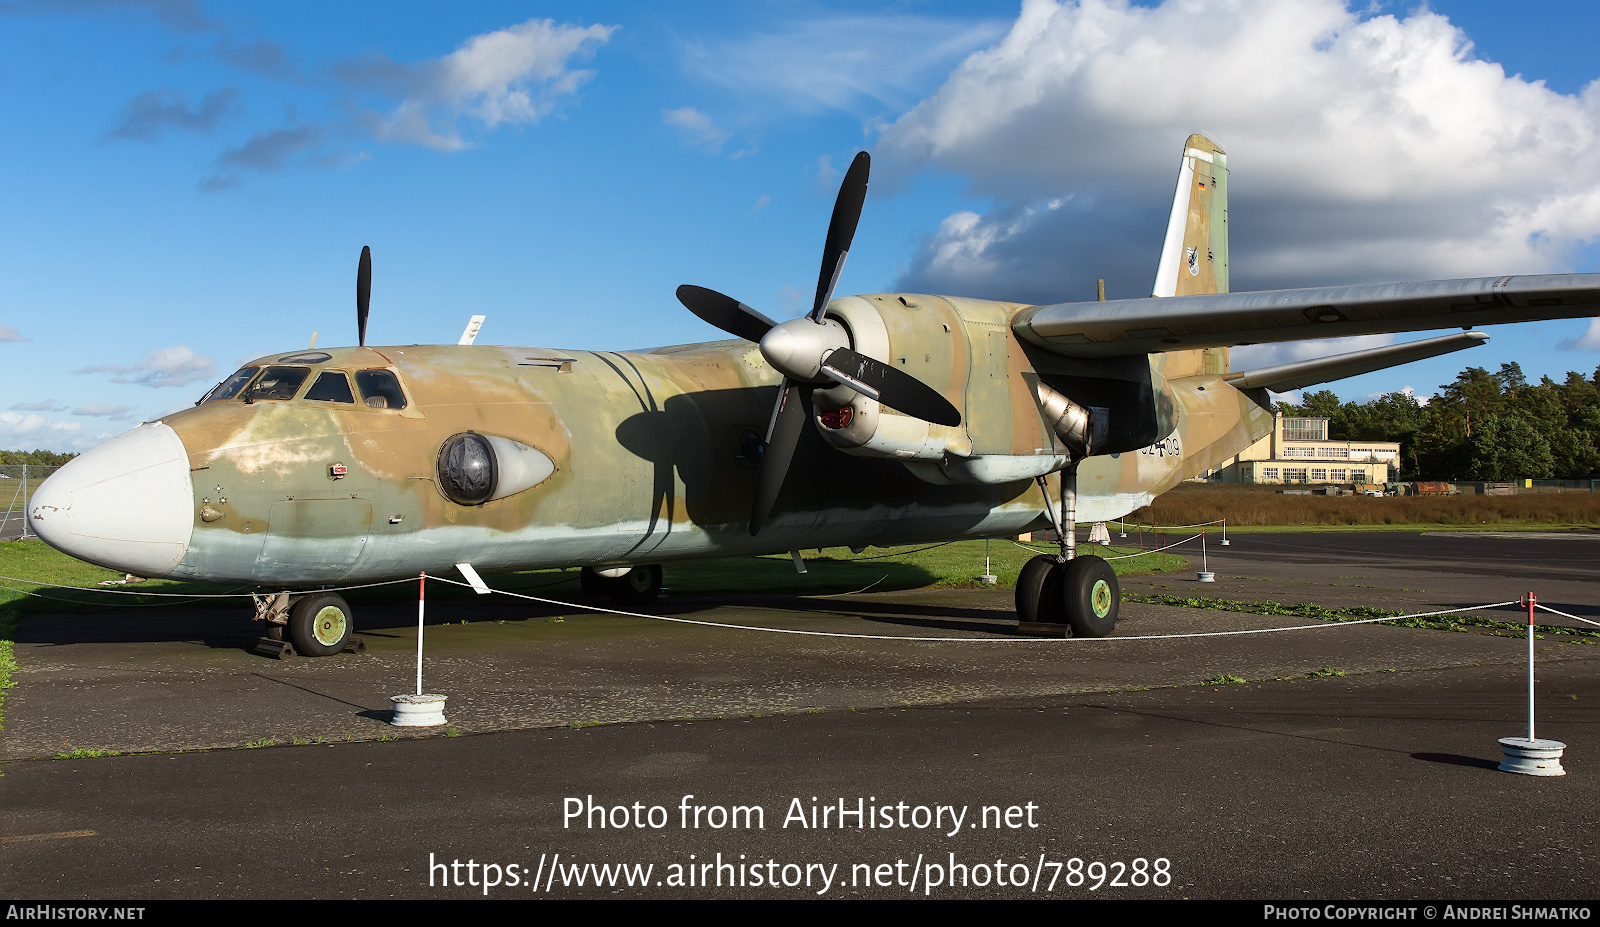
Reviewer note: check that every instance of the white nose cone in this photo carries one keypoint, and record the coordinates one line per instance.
(128, 504)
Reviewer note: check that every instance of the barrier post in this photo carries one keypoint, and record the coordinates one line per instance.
(1205, 575)
(422, 581)
(418, 709)
(1528, 755)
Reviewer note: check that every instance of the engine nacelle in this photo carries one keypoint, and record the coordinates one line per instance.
(857, 424)
(961, 349)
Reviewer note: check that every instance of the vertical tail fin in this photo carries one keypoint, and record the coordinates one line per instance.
(1194, 258)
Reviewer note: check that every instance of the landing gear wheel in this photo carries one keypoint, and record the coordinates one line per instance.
(591, 582)
(638, 588)
(1090, 596)
(320, 624)
(1037, 600)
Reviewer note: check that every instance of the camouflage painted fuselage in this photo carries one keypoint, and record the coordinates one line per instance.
(655, 456)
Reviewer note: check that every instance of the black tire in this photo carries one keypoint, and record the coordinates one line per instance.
(1036, 598)
(593, 583)
(274, 632)
(320, 624)
(1090, 596)
(638, 588)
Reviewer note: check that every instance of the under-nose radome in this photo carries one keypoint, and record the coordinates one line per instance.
(128, 504)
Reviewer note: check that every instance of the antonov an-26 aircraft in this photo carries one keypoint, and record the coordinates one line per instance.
(879, 419)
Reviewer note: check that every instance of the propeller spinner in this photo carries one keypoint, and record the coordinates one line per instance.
(813, 350)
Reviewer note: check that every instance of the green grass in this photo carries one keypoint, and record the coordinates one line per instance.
(83, 754)
(836, 570)
(8, 663)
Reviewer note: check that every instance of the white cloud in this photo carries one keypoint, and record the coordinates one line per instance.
(43, 405)
(1359, 149)
(175, 366)
(1589, 341)
(10, 333)
(842, 62)
(35, 431)
(115, 413)
(701, 130)
(516, 75)
(1404, 391)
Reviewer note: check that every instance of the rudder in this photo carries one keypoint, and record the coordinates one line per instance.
(1194, 257)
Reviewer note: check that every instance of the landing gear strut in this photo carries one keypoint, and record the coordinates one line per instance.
(1067, 593)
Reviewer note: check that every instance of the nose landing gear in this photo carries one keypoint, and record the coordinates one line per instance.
(317, 624)
(636, 587)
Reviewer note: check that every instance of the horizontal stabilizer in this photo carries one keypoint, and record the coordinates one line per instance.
(1177, 323)
(1305, 373)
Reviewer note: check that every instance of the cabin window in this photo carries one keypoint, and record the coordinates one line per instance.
(380, 389)
(332, 386)
(277, 383)
(230, 388)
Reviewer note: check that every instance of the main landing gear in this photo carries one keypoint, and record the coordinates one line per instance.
(314, 624)
(1067, 593)
(625, 587)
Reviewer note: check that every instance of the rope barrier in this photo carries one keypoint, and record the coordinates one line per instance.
(1153, 550)
(1203, 524)
(969, 640)
(839, 634)
(1565, 615)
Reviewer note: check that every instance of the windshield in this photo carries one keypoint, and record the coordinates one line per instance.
(277, 383)
(230, 387)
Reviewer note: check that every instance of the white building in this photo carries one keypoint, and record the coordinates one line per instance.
(1298, 451)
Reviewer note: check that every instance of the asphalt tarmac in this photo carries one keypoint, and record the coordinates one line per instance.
(1358, 763)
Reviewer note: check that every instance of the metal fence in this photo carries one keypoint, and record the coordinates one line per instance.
(17, 483)
(1557, 486)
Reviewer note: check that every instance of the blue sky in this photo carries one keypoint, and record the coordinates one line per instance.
(185, 185)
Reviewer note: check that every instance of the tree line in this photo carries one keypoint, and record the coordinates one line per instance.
(1483, 426)
(35, 456)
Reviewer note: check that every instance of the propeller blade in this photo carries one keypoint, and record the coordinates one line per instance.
(725, 312)
(783, 435)
(363, 294)
(894, 388)
(841, 230)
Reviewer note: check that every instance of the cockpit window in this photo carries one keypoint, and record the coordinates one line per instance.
(229, 388)
(332, 386)
(380, 389)
(277, 383)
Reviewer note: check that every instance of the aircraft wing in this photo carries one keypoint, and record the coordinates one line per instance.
(1176, 323)
(1300, 374)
